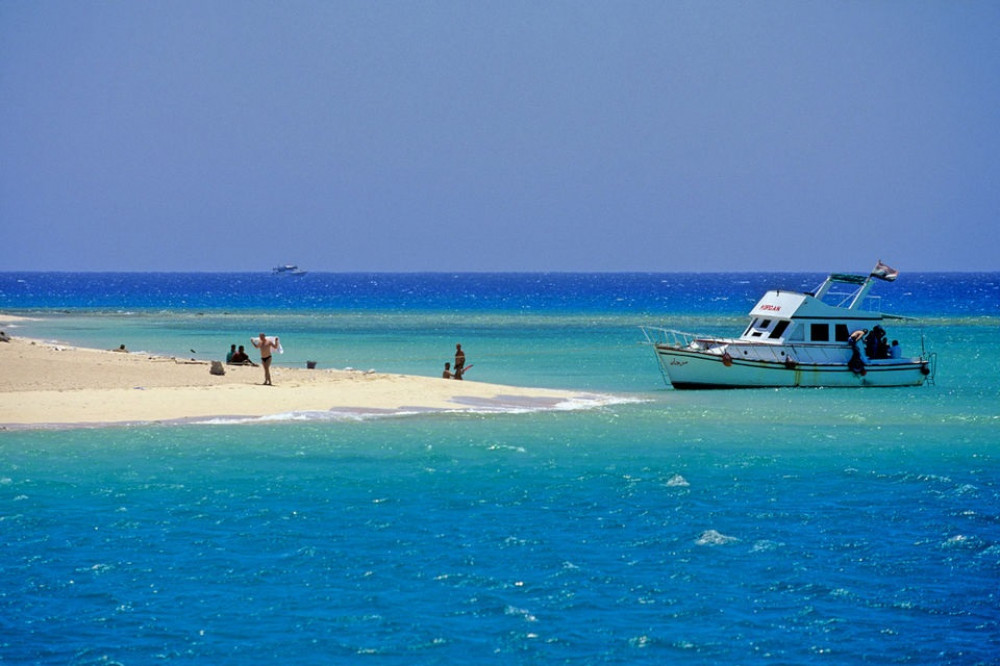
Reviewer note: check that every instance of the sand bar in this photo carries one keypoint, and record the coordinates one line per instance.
(45, 384)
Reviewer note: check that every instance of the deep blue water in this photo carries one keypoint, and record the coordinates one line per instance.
(788, 526)
(939, 294)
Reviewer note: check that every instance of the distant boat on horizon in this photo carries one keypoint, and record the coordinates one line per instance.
(288, 269)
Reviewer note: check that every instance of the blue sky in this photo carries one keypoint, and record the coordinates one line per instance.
(513, 136)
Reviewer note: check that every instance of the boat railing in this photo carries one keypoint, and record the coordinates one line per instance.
(668, 336)
(931, 360)
(843, 299)
(750, 350)
(671, 337)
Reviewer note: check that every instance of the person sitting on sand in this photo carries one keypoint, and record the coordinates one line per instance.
(266, 347)
(447, 370)
(4, 337)
(240, 358)
(121, 349)
(231, 354)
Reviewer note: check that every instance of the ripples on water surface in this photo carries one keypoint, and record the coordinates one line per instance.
(813, 526)
(621, 535)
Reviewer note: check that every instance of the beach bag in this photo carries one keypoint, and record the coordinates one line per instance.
(217, 368)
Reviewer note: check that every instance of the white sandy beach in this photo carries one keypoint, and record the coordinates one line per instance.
(44, 384)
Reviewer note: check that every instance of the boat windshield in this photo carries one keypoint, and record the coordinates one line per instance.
(771, 329)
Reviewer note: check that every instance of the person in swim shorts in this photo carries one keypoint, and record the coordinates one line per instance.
(266, 348)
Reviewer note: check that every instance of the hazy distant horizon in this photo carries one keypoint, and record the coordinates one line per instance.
(499, 272)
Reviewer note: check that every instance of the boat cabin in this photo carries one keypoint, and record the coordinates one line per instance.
(824, 316)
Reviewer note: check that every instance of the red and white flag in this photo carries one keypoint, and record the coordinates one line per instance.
(884, 272)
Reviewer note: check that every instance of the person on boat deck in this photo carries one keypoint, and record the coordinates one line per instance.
(857, 360)
(876, 344)
(856, 340)
(895, 351)
(883, 347)
(881, 343)
(871, 343)
(447, 371)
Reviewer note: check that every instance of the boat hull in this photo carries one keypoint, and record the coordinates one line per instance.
(697, 369)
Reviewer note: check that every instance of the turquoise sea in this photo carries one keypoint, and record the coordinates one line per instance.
(793, 526)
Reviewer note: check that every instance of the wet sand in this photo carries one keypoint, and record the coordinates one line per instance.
(44, 384)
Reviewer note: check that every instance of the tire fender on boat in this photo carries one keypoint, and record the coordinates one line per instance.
(727, 360)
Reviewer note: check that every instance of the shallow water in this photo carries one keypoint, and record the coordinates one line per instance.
(784, 526)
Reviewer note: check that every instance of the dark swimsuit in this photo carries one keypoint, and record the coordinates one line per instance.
(265, 359)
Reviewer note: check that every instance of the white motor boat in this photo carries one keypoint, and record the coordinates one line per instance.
(288, 269)
(831, 337)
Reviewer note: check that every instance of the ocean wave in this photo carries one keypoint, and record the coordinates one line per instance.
(964, 542)
(765, 546)
(501, 404)
(715, 538)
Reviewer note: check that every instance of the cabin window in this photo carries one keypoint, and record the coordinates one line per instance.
(819, 332)
(779, 329)
(757, 328)
(841, 333)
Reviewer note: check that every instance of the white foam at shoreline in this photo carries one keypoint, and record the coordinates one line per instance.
(499, 405)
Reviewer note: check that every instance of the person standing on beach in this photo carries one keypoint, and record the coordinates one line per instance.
(266, 347)
(459, 359)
